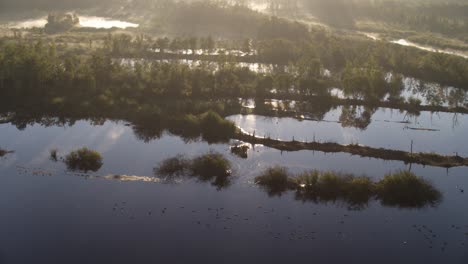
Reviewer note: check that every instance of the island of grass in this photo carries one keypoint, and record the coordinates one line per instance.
(4, 152)
(402, 189)
(53, 155)
(211, 167)
(240, 150)
(84, 159)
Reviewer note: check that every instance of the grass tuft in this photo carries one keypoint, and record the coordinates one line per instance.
(212, 167)
(404, 189)
(54, 155)
(175, 166)
(84, 159)
(275, 181)
(240, 150)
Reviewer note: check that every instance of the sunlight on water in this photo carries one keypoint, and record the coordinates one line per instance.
(260, 7)
(85, 21)
(100, 22)
(404, 42)
(30, 23)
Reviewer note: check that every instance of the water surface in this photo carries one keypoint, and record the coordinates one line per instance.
(55, 214)
(85, 21)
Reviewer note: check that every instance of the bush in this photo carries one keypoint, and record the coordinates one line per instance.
(54, 154)
(360, 190)
(414, 101)
(4, 152)
(209, 167)
(61, 22)
(275, 180)
(84, 160)
(215, 128)
(404, 189)
(240, 150)
(173, 167)
(331, 186)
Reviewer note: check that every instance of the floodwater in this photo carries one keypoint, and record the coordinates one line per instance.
(407, 43)
(380, 128)
(426, 93)
(85, 21)
(404, 42)
(51, 215)
(215, 66)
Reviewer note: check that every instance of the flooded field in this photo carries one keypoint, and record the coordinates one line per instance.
(233, 132)
(381, 128)
(407, 43)
(426, 93)
(404, 42)
(128, 205)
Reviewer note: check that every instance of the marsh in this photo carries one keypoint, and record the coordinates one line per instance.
(160, 131)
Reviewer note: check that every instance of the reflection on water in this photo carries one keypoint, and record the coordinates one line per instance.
(404, 42)
(407, 43)
(402, 189)
(101, 22)
(43, 211)
(434, 94)
(213, 66)
(430, 132)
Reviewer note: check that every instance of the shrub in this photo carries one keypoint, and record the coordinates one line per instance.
(84, 160)
(360, 190)
(4, 152)
(211, 165)
(54, 154)
(331, 186)
(404, 189)
(275, 180)
(414, 101)
(61, 22)
(173, 167)
(240, 150)
(215, 128)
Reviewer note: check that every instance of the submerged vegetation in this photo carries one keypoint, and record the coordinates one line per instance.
(402, 189)
(83, 159)
(331, 186)
(53, 155)
(240, 150)
(211, 167)
(4, 152)
(275, 180)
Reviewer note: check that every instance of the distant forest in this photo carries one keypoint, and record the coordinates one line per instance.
(9, 5)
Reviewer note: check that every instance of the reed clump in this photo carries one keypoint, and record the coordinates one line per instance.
(402, 189)
(211, 167)
(84, 159)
